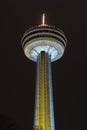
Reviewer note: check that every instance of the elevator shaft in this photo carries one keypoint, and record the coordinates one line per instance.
(44, 113)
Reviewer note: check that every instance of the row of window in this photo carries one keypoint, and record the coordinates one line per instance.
(47, 36)
(43, 31)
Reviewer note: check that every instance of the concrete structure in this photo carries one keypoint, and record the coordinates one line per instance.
(44, 44)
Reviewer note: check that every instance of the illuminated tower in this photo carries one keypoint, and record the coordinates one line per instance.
(44, 44)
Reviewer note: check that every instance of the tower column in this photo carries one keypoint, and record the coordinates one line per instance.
(43, 118)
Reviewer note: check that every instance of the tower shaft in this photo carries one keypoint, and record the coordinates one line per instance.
(44, 113)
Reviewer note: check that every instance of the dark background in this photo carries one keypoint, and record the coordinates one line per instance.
(17, 73)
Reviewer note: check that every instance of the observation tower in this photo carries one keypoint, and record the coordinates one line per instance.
(44, 44)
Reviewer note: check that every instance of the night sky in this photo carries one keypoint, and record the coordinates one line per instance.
(18, 74)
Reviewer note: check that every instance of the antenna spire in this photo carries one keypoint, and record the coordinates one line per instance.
(43, 19)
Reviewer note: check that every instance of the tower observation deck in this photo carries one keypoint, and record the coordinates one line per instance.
(44, 44)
